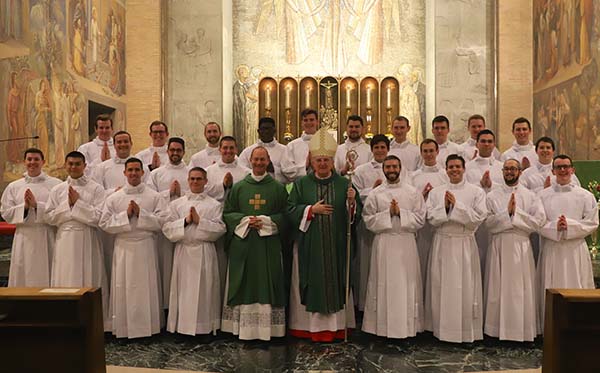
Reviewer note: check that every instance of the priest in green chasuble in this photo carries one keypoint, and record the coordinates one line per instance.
(320, 205)
(255, 216)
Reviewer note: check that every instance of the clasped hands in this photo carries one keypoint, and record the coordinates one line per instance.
(133, 209)
(193, 216)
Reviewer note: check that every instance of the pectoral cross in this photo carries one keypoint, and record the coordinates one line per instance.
(256, 201)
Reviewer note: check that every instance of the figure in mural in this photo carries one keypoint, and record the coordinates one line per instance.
(240, 91)
(78, 49)
(409, 102)
(252, 104)
(12, 116)
(59, 128)
(95, 35)
(43, 115)
(299, 19)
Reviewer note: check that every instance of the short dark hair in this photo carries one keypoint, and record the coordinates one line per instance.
(158, 123)
(486, 132)
(392, 157)
(33, 150)
(429, 141)
(122, 133)
(439, 119)
(199, 169)
(355, 118)
(103, 117)
(178, 140)
(401, 118)
(545, 139)
(227, 138)
(380, 138)
(475, 116)
(454, 157)
(562, 156)
(266, 120)
(521, 120)
(307, 112)
(75, 154)
(134, 160)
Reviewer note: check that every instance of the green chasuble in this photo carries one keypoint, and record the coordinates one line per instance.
(255, 269)
(322, 248)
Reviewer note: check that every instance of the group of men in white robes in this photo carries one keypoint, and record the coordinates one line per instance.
(442, 232)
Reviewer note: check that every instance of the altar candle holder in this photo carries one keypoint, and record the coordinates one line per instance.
(288, 135)
(388, 120)
(369, 135)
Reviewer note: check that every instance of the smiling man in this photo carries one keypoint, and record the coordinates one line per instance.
(226, 172)
(440, 127)
(572, 214)
(394, 211)
(468, 149)
(510, 288)
(522, 149)
(255, 216)
(100, 148)
(75, 207)
(23, 204)
(453, 302)
(266, 139)
(194, 224)
(295, 161)
(210, 154)
(355, 142)
(170, 181)
(134, 214)
(367, 177)
(401, 147)
(156, 155)
(321, 205)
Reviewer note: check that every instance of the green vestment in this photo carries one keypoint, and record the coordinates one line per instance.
(255, 269)
(322, 248)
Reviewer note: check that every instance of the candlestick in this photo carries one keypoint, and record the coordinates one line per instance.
(389, 96)
(268, 97)
(348, 96)
(369, 96)
(288, 95)
(307, 96)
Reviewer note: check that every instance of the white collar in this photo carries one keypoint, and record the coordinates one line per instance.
(481, 160)
(434, 168)
(130, 189)
(510, 189)
(211, 150)
(196, 196)
(258, 178)
(83, 180)
(35, 179)
(355, 143)
(562, 188)
(376, 164)
(521, 148)
(118, 160)
(99, 142)
(306, 137)
(457, 186)
(222, 164)
(160, 149)
(175, 166)
(403, 144)
(395, 185)
(267, 144)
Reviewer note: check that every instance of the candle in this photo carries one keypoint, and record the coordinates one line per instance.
(368, 97)
(307, 96)
(349, 96)
(389, 96)
(268, 97)
(288, 96)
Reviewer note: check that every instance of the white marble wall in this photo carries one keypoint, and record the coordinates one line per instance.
(464, 62)
(194, 69)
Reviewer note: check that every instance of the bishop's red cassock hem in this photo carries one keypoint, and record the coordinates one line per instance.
(323, 336)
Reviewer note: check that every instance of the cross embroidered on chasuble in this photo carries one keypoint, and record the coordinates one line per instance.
(257, 201)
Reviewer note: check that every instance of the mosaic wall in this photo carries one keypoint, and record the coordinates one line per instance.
(54, 56)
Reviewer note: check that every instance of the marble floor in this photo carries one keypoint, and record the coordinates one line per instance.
(364, 353)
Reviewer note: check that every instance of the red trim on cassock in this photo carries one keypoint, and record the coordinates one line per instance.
(323, 336)
(7, 229)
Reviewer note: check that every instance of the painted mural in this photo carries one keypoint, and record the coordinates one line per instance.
(327, 37)
(53, 65)
(566, 80)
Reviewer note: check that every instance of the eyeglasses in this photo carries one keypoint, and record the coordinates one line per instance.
(510, 169)
(562, 167)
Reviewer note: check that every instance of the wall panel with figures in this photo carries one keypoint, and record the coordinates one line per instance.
(566, 83)
(57, 55)
(324, 41)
